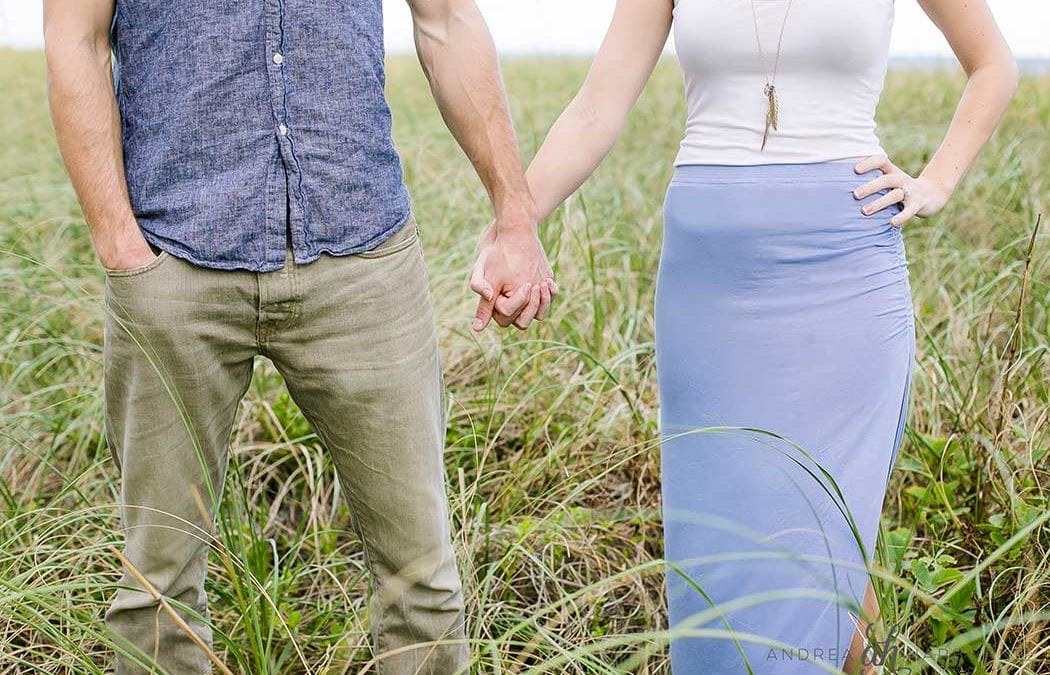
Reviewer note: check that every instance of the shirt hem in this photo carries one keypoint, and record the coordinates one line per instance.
(755, 159)
(312, 255)
(372, 243)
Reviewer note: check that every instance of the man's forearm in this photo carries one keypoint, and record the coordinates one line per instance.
(460, 61)
(87, 125)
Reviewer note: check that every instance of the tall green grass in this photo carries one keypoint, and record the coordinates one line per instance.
(552, 458)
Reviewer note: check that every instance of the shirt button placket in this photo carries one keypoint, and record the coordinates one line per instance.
(278, 98)
(280, 104)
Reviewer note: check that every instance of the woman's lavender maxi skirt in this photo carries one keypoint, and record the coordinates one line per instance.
(780, 308)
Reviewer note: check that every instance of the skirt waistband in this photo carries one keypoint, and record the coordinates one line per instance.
(840, 172)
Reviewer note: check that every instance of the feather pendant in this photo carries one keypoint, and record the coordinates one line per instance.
(772, 113)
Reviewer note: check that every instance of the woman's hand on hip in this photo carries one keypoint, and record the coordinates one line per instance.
(920, 196)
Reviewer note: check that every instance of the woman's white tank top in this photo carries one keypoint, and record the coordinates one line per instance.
(832, 66)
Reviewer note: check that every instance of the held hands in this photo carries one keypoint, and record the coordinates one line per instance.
(513, 278)
(920, 196)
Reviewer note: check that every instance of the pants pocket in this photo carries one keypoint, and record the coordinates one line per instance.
(135, 271)
(399, 241)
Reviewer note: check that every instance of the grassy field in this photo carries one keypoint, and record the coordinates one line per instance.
(552, 463)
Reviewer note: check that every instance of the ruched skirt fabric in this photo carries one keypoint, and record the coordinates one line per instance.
(784, 346)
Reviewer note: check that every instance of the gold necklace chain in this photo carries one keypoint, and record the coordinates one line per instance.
(773, 110)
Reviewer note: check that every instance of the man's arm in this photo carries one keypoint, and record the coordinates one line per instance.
(512, 274)
(87, 124)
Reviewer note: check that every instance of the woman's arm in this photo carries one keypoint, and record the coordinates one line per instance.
(589, 127)
(980, 47)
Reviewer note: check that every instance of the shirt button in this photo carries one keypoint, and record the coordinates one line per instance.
(282, 129)
(278, 58)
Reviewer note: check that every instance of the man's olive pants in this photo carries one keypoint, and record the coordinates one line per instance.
(354, 338)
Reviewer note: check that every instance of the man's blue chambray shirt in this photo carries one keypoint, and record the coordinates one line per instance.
(246, 122)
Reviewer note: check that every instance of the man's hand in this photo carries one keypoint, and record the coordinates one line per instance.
(123, 248)
(512, 274)
(513, 278)
(87, 124)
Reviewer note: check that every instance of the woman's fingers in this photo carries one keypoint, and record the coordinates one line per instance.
(886, 180)
(529, 312)
(530, 302)
(874, 162)
(885, 201)
(894, 181)
(545, 300)
(502, 321)
(909, 212)
(511, 305)
(508, 307)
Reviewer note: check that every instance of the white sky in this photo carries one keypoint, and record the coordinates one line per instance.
(577, 26)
